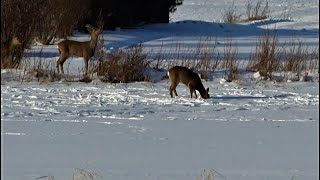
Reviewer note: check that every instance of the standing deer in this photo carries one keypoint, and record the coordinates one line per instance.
(179, 74)
(81, 49)
(7, 48)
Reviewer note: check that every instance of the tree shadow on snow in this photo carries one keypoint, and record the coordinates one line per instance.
(190, 28)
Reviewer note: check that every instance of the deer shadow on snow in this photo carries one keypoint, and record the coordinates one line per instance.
(233, 97)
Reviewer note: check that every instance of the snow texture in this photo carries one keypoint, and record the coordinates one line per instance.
(247, 130)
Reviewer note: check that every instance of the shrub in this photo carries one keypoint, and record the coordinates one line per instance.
(210, 174)
(8, 50)
(38, 18)
(204, 59)
(83, 174)
(295, 58)
(258, 11)
(253, 12)
(125, 66)
(298, 61)
(17, 19)
(58, 18)
(314, 61)
(230, 15)
(78, 174)
(8, 63)
(266, 58)
(230, 62)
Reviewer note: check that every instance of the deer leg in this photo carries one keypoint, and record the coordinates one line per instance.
(86, 59)
(175, 92)
(57, 66)
(192, 90)
(60, 62)
(173, 88)
(61, 65)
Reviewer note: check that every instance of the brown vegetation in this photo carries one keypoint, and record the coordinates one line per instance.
(253, 12)
(124, 66)
(258, 11)
(265, 59)
(38, 19)
(7, 52)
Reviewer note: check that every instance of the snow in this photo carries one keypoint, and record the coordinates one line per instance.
(247, 130)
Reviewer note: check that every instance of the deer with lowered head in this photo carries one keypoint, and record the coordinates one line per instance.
(7, 48)
(179, 74)
(84, 49)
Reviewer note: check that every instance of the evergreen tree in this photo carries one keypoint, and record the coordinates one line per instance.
(173, 5)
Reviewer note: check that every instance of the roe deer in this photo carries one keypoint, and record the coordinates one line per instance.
(81, 49)
(7, 48)
(179, 74)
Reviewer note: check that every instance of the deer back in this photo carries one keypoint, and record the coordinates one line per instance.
(184, 75)
(81, 49)
(76, 48)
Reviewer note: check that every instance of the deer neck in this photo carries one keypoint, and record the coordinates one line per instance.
(201, 90)
(203, 94)
(93, 42)
(11, 46)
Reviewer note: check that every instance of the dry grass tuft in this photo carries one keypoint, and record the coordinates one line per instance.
(295, 58)
(124, 65)
(204, 59)
(210, 174)
(231, 15)
(82, 174)
(265, 59)
(258, 11)
(230, 62)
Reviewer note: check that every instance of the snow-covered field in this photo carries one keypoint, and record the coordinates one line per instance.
(247, 130)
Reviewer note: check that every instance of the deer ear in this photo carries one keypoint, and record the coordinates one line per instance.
(89, 27)
(207, 89)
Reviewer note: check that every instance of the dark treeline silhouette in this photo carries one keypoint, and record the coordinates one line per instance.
(45, 20)
(129, 13)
